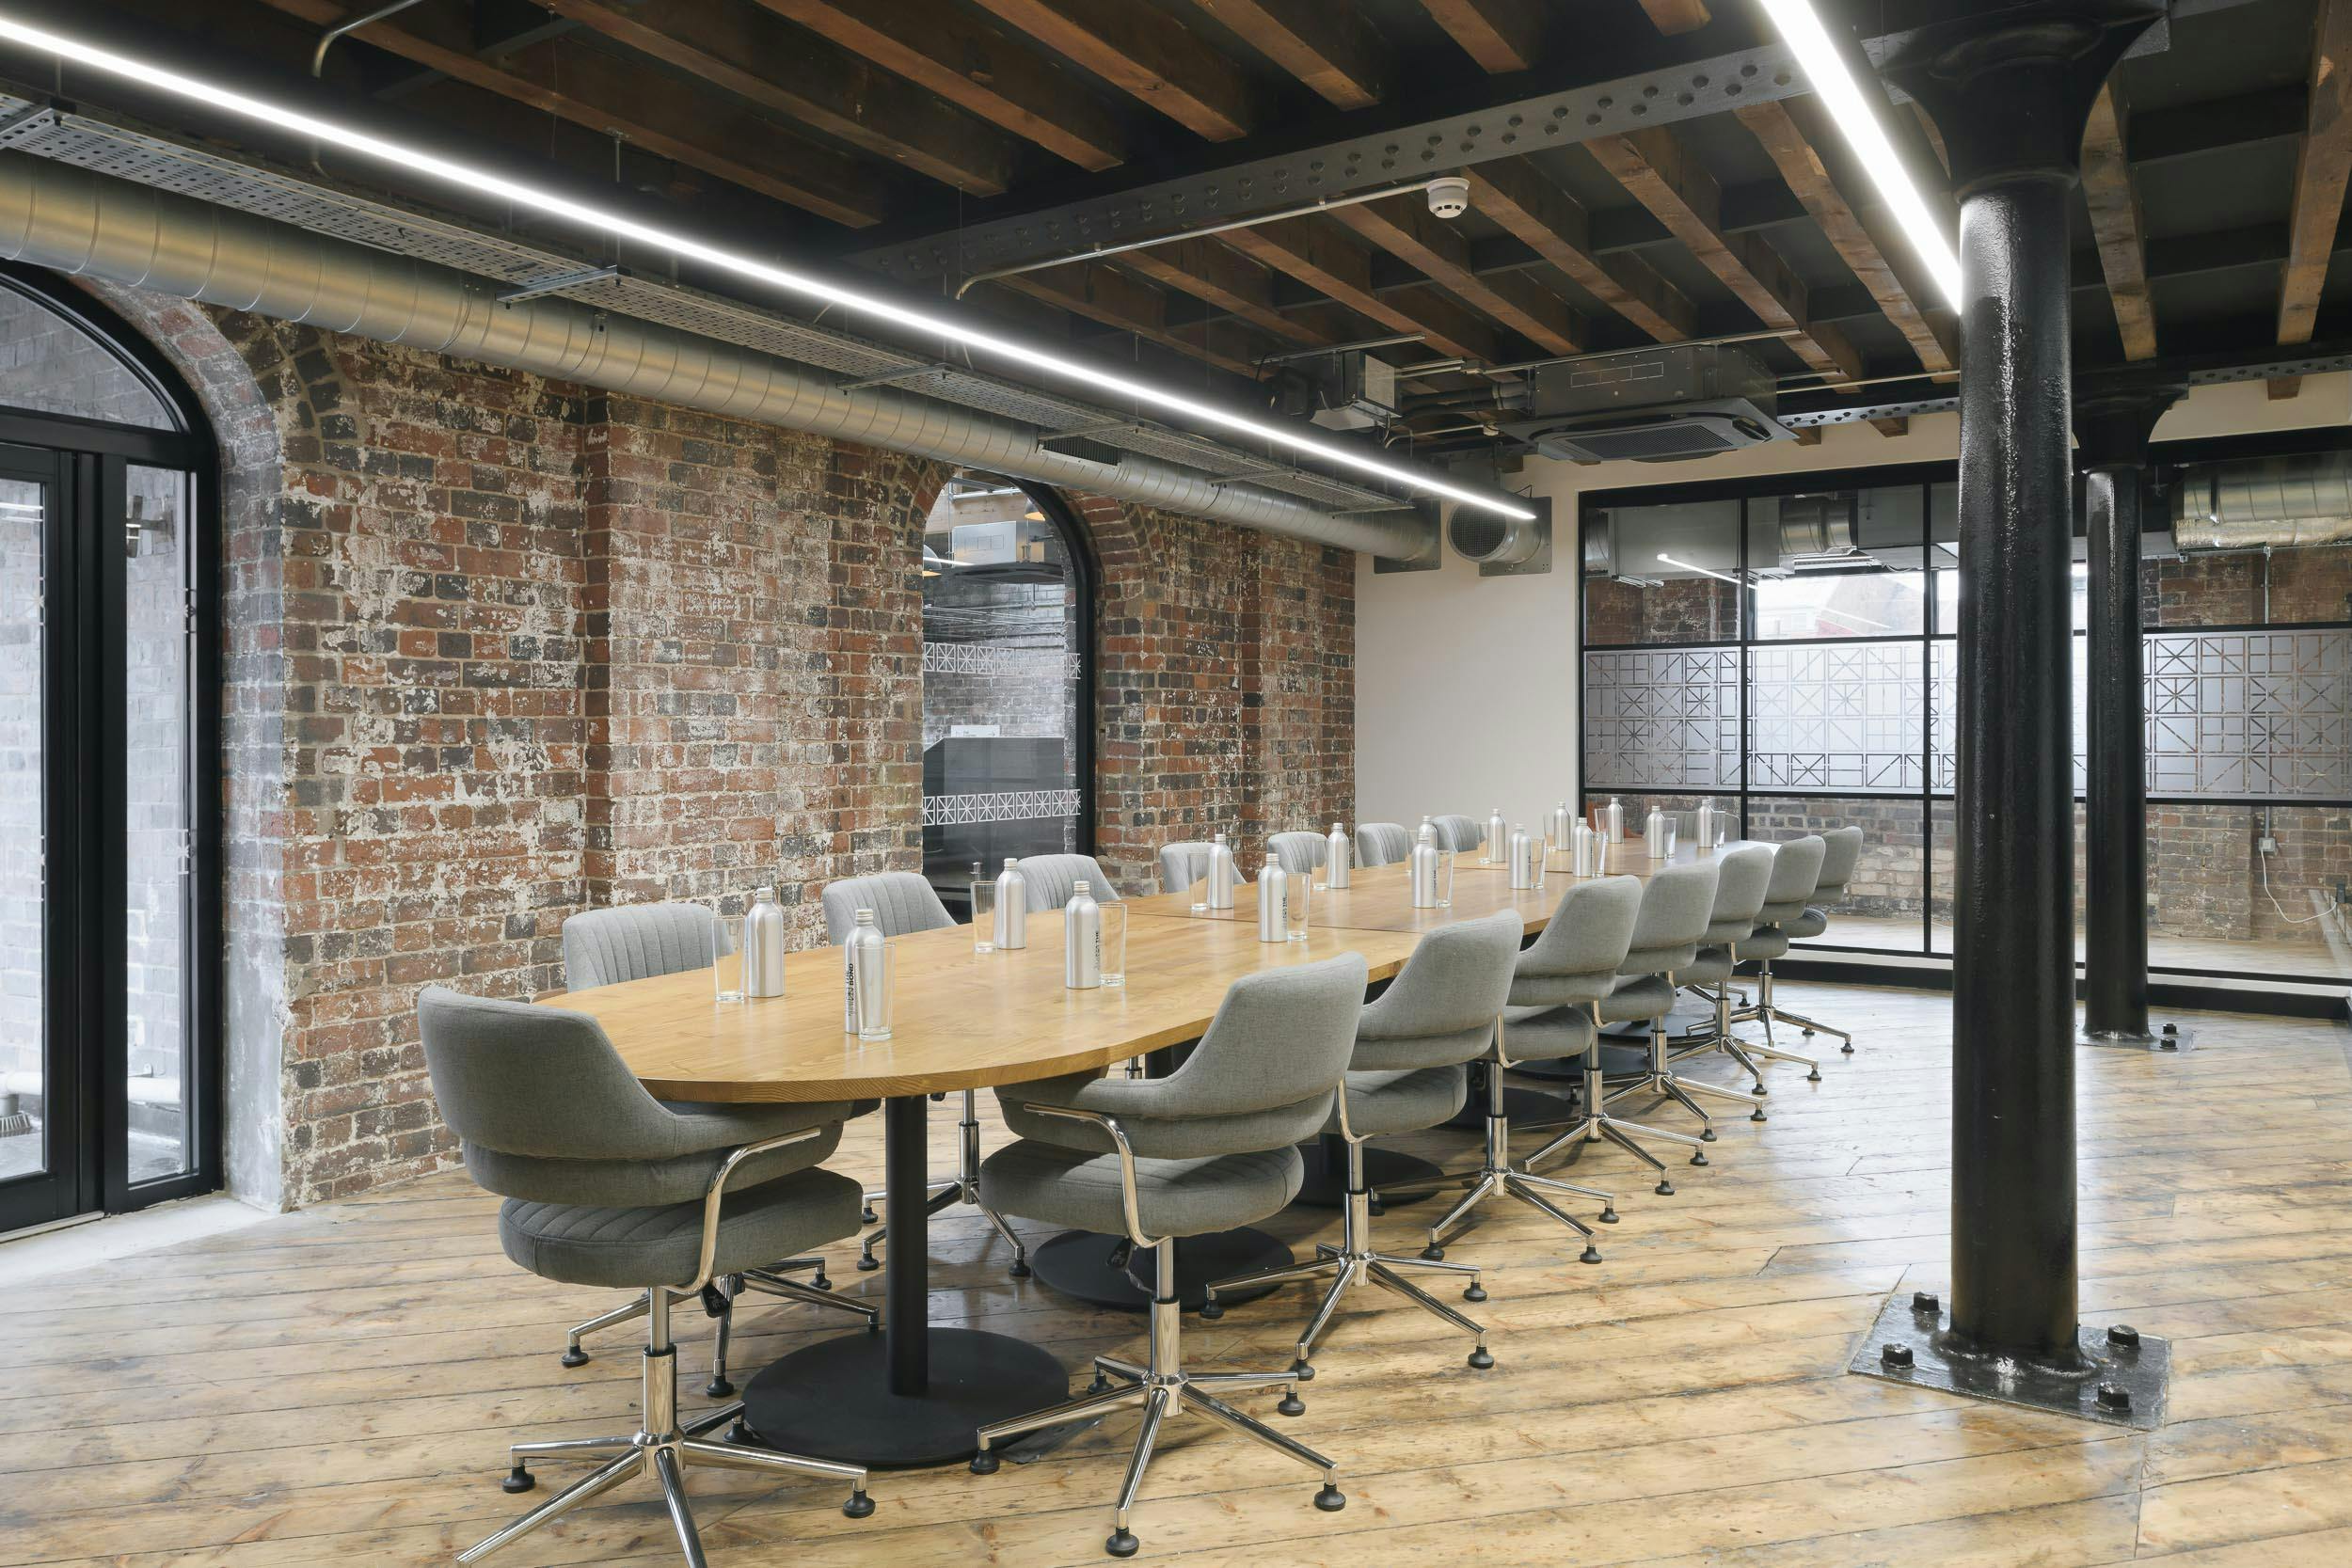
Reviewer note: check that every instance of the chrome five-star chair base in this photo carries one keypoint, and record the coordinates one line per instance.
(1598, 1125)
(816, 1292)
(963, 1187)
(660, 1448)
(1496, 1175)
(1161, 1389)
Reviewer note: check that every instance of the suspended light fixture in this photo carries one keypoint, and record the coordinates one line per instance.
(588, 216)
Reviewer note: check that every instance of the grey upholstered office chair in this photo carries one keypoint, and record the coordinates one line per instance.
(1746, 875)
(1572, 963)
(606, 1186)
(1053, 878)
(1382, 843)
(1406, 1075)
(904, 902)
(1183, 864)
(1299, 853)
(1796, 871)
(1461, 835)
(1839, 859)
(1208, 1148)
(637, 942)
(1743, 873)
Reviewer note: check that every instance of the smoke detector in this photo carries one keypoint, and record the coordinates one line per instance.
(1449, 197)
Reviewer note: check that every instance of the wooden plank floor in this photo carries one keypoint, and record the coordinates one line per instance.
(337, 1387)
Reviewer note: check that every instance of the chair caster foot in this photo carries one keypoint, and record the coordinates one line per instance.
(1375, 1208)
(1813, 1077)
(1330, 1500)
(575, 1358)
(1758, 1089)
(1706, 1134)
(1758, 1114)
(741, 1435)
(1303, 1370)
(1122, 1543)
(1476, 1292)
(859, 1506)
(1590, 1254)
(1482, 1358)
(867, 1263)
(518, 1479)
(984, 1463)
(1101, 1383)
(1847, 1049)
(1699, 1156)
(1806, 1033)
(1020, 1269)
(1434, 1253)
(1291, 1404)
(822, 1281)
(1211, 1309)
(1664, 1189)
(718, 1388)
(867, 1216)
(1607, 1216)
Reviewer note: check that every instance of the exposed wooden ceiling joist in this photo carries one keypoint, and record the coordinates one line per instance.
(654, 110)
(1659, 168)
(1145, 52)
(2321, 166)
(1116, 300)
(820, 85)
(1336, 263)
(1790, 132)
(1328, 46)
(1555, 226)
(2114, 223)
(1501, 35)
(1226, 280)
(1407, 229)
(1677, 16)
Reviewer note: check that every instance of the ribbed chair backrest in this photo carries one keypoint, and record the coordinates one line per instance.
(1742, 874)
(1676, 906)
(635, 941)
(1461, 835)
(1183, 864)
(903, 902)
(1796, 871)
(1440, 1008)
(1052, 878)
(1382, 843)
(1296, 852)
(1839, 862)
(1282, 1040)
(536, 1083)
(1577, 956)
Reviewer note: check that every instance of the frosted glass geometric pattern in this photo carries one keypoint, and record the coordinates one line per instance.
(1664, 718)
(2249, 714)
(1943, 712)
(1844, 716)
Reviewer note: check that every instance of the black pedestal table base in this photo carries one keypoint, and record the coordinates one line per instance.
(1080, 1264)
(832, 1400)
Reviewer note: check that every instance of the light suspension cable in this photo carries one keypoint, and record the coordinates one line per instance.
(807, 286)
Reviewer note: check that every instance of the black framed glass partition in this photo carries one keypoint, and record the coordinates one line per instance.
(1787, 646)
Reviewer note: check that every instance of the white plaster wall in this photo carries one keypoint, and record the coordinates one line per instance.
(1466, 687)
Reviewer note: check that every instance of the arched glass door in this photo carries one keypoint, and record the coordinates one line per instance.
(108, 1093)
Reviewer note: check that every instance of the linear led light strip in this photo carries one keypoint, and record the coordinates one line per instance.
(1826, 69)
(1703, 571)
(588, 215)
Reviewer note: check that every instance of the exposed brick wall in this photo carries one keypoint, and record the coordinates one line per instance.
(1679, 609)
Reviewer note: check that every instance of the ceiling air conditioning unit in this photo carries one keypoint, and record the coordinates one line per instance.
(1649, 406)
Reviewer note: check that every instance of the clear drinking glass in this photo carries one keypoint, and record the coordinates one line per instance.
(726, 957)
(983, 915)
(1297, 895)
(1114, 943)
(873, 1001)
(1445, 880)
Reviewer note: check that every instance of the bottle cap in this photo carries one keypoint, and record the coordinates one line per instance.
(866, 918)
(765, 895)
(1078, 886)
(1011, 862)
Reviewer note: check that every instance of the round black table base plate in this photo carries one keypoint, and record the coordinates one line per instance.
(1410, 1177)
(1076, 1263)
(1558, 1069)
(1529, 1110)
(832, 1399)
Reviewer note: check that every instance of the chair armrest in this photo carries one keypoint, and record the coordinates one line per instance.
(718, 1190)
(1129, 1202)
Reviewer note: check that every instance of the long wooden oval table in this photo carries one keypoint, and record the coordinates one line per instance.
(916, 1393)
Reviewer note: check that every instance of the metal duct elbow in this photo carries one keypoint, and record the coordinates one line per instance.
(91, 224)
(2274, 503)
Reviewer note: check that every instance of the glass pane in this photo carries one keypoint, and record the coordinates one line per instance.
(1663, 574)
(1666, 717)
(2260, 541)
(23, 1110)
(1883, 906)
(1842, 715)
(1944, 710)
(51, 366)
(1000, 685)
(162, 1085)
(1851, 563)
(2260, 714)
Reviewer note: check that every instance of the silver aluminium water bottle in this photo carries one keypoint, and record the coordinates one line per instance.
(1424, 876)
(1527, 859)
(1586, 857)
(1082, 940)
(1223, 875)
(1704, 822)
(1561, 820)
(1012, 906)
(1274, 901)
(864, 980)
(1612, 821)
(1496, 830)
(763, 946)
(1338, 857)
(1654, 834)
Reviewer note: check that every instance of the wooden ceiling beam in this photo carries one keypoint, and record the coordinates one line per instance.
(1006, 85)
(1660, 171)
(1142, 51)
(1226, 280)
(1408, 229)
(1677, 16)
(2114, 223)
(1501, 35)
(1790, 132)
(2322, 165)
(1119, 300)
(1336, 263)
(1555, 225)
(654, 111)
(817, 83)
(1327, 46)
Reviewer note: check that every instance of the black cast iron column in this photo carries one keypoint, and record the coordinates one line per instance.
(2010, 92)
(2112, 430)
